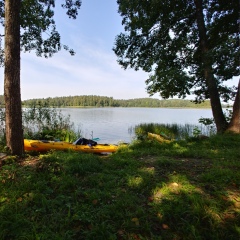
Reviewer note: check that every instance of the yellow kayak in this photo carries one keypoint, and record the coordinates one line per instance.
(45, 145)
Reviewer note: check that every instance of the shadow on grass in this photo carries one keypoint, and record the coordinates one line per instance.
(145, 191)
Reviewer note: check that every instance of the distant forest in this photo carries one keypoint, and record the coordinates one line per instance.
(102, 101)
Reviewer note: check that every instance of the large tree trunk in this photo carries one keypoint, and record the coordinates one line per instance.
(12, 92)
(234, 125)
(217, 111)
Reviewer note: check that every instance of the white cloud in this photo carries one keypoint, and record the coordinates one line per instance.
(91, 71)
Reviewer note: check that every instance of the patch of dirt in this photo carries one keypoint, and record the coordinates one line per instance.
(33, 161)
(29, 161)
(194, 166)
(191, 166)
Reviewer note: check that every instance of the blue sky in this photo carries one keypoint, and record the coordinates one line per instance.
(93, 70)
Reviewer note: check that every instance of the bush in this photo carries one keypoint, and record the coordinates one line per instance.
(43, 122)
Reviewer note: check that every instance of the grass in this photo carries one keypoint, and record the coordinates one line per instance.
(177, 190)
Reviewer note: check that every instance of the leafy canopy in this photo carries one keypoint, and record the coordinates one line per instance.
(38, 28)
(161, 37)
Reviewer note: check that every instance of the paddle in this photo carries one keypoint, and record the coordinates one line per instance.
(96, 139)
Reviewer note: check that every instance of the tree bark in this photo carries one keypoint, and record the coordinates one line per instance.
(234, 125)
(217, 111)
(12, 92)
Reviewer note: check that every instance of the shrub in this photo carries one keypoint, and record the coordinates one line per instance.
(43, 122)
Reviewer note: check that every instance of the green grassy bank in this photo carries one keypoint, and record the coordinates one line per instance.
(178, 190)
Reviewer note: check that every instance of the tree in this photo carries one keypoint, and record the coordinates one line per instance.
(187, 46)
(234, 125)
(12, 77)
(33, 19)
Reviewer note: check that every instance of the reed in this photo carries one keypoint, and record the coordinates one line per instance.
(173, 131)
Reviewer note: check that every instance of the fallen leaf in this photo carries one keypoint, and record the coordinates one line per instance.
(174, 184)
(150, 199)
(165, 226)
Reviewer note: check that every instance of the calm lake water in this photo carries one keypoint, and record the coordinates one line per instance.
(112, 125)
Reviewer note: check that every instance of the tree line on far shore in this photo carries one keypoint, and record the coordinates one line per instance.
(103, 101)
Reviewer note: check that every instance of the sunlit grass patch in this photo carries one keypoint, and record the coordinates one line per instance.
(179, 149)
(135, 181)
(176, 184)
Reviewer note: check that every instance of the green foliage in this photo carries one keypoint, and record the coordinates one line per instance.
(100, 101)
(206, 121)
(196, 132)
(183, 190)
(42, 122)
(162, 38)
(38, 28)
(210, 121)
(210, 124)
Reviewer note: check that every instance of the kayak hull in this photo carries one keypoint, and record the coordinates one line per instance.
(44, 146)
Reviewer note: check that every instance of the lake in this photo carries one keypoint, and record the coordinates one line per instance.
(112, 125)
